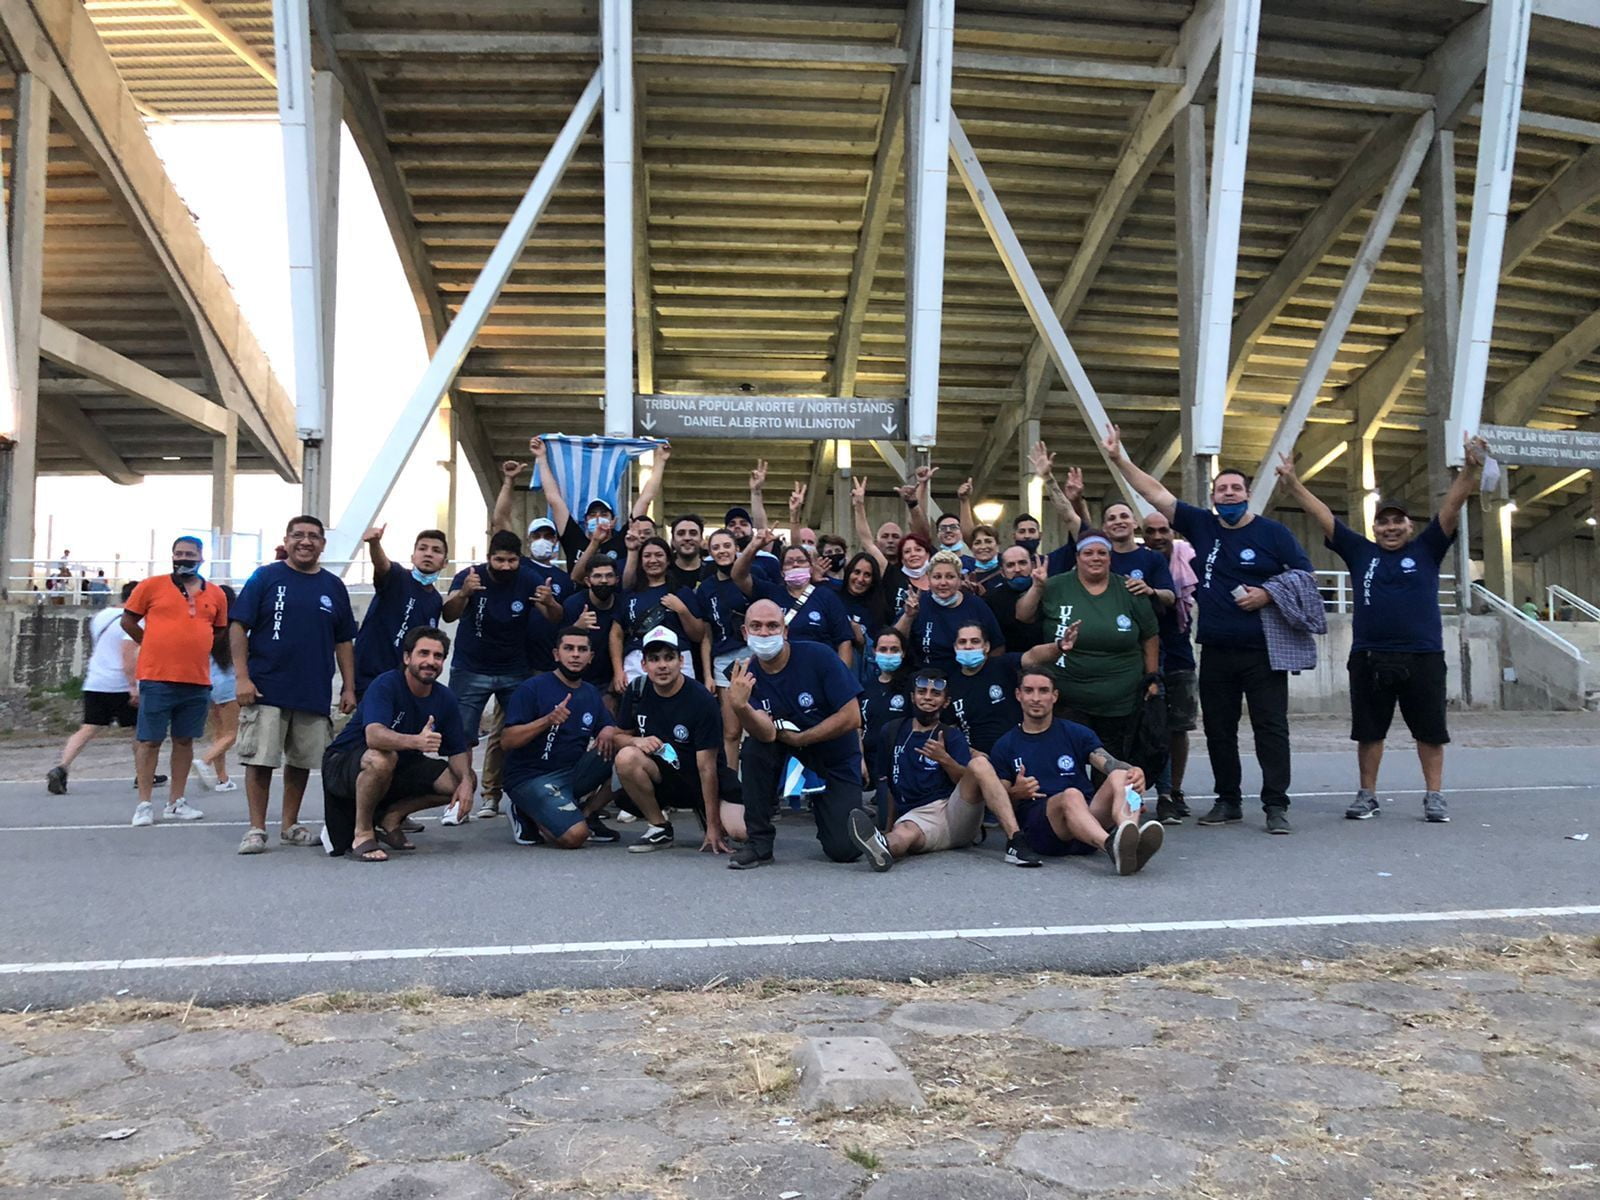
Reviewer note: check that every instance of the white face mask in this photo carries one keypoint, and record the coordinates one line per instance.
(542, 549)
(914, 572)
(765, 648)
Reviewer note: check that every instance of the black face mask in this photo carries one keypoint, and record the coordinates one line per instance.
(184, 569)
(504, 577)
(834, 560)
(602, 591)
(1031, 545)
(742, 542)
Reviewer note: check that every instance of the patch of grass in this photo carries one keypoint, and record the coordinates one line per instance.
(865, 1159)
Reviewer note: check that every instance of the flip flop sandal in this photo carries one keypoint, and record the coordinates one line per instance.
(296, 835)
(394, 839)
(359, 853)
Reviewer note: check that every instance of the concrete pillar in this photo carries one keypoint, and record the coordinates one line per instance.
(444, 513)
(1189, 177)
(1030, 489)
(843, 464)
(1361, 479)
(328, 118)
(1497, 574)
(1441, 292)
(224, 460)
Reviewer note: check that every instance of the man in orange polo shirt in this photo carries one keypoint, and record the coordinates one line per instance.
(181, 616)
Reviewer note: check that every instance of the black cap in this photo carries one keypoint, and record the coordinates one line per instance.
(736, 512)
(1390, 506)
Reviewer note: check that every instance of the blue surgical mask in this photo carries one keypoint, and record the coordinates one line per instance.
(591, 524)
(990, 564)
(426, 580)
(767, 647)
(889, 663)
(971, 658)
(946, 601)
(1020, 584)
(1231, 513)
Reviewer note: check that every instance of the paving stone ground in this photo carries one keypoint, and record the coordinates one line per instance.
(1469, 1071)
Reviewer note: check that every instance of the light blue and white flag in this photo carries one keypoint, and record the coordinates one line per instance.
(590, 468)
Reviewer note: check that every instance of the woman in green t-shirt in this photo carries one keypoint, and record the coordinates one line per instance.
(1105, 677)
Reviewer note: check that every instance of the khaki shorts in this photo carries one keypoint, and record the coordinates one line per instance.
(282, 737)
(946, 823)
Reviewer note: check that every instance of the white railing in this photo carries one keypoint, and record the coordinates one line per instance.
(1338, 592)
(1506, 608)
(40, 580)
(1556, 592)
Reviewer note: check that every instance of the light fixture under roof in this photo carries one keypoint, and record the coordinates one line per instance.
(172, 458)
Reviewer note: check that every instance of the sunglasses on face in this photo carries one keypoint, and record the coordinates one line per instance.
(936, 685)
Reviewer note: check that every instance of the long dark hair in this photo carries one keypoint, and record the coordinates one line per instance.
(221, 648)
(897, 679)
(874, 601)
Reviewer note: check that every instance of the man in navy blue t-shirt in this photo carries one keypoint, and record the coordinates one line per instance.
(797, 699)
(384, 765)
(1044, 763)
(1397, 651)
(290, 625)
(1235, 553)
(557, 741)
(401, 601)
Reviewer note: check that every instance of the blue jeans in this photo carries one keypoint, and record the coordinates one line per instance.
(472, 691)
(554, 800)
(182, 707)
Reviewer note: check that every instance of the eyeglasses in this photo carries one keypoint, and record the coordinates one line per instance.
(937, 685)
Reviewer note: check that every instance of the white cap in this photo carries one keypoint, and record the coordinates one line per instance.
(541, 523)
(661, 636)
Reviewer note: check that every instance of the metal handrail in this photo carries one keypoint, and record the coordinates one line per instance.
(1338, 592)
(1501, 605)
(1555, 590)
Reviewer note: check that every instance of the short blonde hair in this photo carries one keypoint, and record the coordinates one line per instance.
(948, 557)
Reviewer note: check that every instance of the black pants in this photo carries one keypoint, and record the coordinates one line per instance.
(1227, 677)
(762, 765)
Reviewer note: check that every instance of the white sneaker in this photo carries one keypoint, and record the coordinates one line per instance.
(203, 769)
(181, 811)
(456, 816)
(227, 785)
(144, 814)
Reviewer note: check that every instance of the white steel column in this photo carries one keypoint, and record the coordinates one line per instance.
(291, 20)
(1441, 298)
(1241, 20)
(1497, 150)
(1189, 194)
(1331, 336)
(224, 460)
(327, 111)
(457, 340)
(927, 188)
(616, 69)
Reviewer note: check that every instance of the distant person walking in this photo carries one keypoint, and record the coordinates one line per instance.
(213, 764)
(110, 689)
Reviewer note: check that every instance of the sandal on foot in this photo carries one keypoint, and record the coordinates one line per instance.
(364, 851)
(254, 841)
(297, 835)
(395, 839)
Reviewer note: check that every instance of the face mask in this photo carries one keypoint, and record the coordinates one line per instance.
(186, 570)
(889, 663)
(1020, 584)
(424, 580)
(767, 647)
(1232, 512)
(810, 547)
(970, 658)
(988, 564)
(503, 577)
(834, 560)
(946, 601)
(957, 547)
(741, 542)
(602, 591)
(542, 549)
(591, 524)
(914, 572)
(798, 577)
(1031, 545)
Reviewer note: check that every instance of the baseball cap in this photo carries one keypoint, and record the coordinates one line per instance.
(660, 636)
(736, 512)
(1391, 506)
(541, 523)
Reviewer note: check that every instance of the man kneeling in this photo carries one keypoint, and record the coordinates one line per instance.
(557, 741)
(918, 761)
(380, 769)
(1045, 764)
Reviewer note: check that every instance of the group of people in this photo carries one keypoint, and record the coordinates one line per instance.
(959, 676)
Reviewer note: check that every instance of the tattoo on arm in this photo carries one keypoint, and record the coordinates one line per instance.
(1104, 761)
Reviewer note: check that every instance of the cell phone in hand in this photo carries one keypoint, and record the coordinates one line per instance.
(1240, 592)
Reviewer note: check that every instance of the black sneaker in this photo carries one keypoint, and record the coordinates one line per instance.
(1122, 848)
(599, 831)
(1179, 803)
(55, 781)
(747, 859)
(1364, 807)
(524, 832)
(1167, 811)
(656, 837)
(1222, 813)
(864, 832)
(156, 782)
(1278, 820)
(1151, 835)
(1434, 808)
(1020, 854)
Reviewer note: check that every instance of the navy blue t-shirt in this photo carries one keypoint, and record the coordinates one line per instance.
(1228, 558)
(1396, 591)
(390, 702)
(294, 622)
(642, 611)
(541, 634)
(820, 619)
(561, 745)
(881, 703)
(690, 719)
(599, 671)
(399, 605)
(1057, 759)
(934, 628)
(813, 685)
(984, 703)
(914, 778)
(492, 635)
(722, 606)
(857, 609)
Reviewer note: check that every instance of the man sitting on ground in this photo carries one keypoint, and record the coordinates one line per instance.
(1045, 764)
(557, 740)
(669, 751)
(382, 766)
(919, 761)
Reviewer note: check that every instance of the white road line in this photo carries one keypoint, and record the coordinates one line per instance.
(784, 940)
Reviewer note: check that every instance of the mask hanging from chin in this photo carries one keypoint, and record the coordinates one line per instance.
(1233, 513)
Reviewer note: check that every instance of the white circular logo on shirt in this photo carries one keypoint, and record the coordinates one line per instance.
(516, 606)
(1408, 564)
(1136, 573)
(897, 702)
(814, 617)
(681, 732)
(805, 699)
(327, 603)
(1065, 764)
(1247, 555)
(588, 720)
(1124, 622)
(995, 693)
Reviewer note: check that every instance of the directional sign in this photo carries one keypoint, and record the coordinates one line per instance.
(795, 418)
(1573, 448)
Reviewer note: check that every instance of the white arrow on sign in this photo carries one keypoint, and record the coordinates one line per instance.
(649, 421)
(890, 426)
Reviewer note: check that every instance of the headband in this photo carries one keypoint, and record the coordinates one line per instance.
(1095, 539)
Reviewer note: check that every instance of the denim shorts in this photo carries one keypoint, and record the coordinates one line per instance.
(181, 707)
(554, 799)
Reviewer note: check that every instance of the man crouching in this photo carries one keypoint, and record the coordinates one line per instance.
(381, 769)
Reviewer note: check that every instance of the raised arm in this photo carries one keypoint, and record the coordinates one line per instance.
(858, 509)
(916, 495)
(1148, 486)
(500, 518)
(374, 542)
(969, 522)
(554, 500)
(1028, 603)
(1316, 509)
(758, 505)
(652, 488)
(1463, 485)
(740, 571)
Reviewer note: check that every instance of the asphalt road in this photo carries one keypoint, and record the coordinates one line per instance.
(82, 894)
